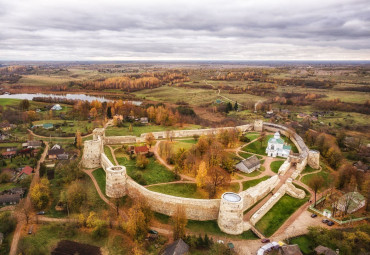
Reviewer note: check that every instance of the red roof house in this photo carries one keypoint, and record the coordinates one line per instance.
(141, 149)
(27, 170)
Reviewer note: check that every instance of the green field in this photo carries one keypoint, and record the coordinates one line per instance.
(188, 190)
(248, 184)
(324, 173)
(185, 144)
(308, 169)
(99, 175)
(256, 147)
(152, 174)
(67, 128)
(108, 153)
(138, 130)
(278, 214)
(275, 165)
(252, 135)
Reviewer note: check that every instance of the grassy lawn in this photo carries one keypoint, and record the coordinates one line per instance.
(278, 214)
(211, 227)
(99, 175)
(153, 173)
(188, 190)
(275, 165)
(252, 135)
(247, 155)
(308, 169)
(67, 128)
(185, 144)
(248, 184)
(323, 173)
(108, 153)
(304, 243)
(252, 174)
(9, 185)
(138, 130)
(256, 147)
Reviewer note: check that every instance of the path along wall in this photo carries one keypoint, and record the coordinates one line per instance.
(196, 209)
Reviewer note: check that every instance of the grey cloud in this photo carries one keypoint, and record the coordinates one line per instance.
(185, 29)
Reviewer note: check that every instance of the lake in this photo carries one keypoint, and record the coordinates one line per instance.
(67, 96)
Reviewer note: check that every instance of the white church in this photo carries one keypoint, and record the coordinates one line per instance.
(277, 147)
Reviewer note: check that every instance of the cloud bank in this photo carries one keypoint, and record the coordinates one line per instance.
(185, 30)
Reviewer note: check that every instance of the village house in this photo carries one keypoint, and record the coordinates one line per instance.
(56, 107)
(27, 170)
(57, 152)
(9, 154)
(142, 150)
(32, 144)
(277, 147)
(5, 126)
(144, 120)
(9, 199)
(351, 202)
(249, 165)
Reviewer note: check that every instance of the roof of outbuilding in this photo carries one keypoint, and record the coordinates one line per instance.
(139, 149)
(178, 247)
(251, 162)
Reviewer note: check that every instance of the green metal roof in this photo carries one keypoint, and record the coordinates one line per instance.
(273, 140)
(47, 125)
(287, 147)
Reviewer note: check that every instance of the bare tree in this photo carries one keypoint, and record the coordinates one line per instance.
(316, 183)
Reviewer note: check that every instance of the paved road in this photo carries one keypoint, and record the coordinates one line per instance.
(27, 204)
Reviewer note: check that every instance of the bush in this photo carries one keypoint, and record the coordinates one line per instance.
(244, 139)
(138, 177)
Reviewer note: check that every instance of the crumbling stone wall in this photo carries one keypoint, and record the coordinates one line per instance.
(119, 139)
(196, 209)
(314, 159)
(91, 154)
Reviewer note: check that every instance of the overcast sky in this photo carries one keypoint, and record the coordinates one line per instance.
(184, 30)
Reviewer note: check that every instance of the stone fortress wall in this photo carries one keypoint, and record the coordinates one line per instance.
(228, 213)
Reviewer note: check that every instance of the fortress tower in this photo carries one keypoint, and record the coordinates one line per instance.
(230, 217)
(314, 159)
(258, 125)
(116, 178)
(93, 149)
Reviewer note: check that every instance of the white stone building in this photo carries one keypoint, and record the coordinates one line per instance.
(277, 147)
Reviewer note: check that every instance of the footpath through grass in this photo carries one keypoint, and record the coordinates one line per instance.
(278, 214)
(275, 165)
(248, 184)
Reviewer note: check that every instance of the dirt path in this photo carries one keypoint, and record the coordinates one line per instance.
(113, 155)
(27, 204)
(314, 172)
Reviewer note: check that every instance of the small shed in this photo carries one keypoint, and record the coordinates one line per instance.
(290, 250)
(351, 202)
(178, 247)
(141, 150)
(56, 107)
(322, 250)
(248, 165)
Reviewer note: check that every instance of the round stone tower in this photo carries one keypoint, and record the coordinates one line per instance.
(230, 216)
(314, 159)
(116, 178)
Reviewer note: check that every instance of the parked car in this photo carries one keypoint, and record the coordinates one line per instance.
(313, 215)
(41, 213)
(265, 240)
(325, 221)
(220, 241)
(330, 223)
(30, 230)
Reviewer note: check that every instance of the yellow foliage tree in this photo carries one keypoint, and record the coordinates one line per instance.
(179, 222)
(40, 194)
(78, 139)
(202, 174)
(93, 112)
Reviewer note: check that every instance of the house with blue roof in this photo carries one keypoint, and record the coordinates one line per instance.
(277, 147)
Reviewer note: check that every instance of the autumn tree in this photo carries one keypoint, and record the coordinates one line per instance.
(75, 196)
(24, 104)
(137, 224)
(150, 140)
(315, 184)
(179, 222)
(142, 161)
(262, 138)
(40, 194)
(216, 178)
(78, 139)
(93, 113)
(202, 174)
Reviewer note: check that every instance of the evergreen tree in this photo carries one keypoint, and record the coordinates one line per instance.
(236, 106)
(109, 112)
(229, 107)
